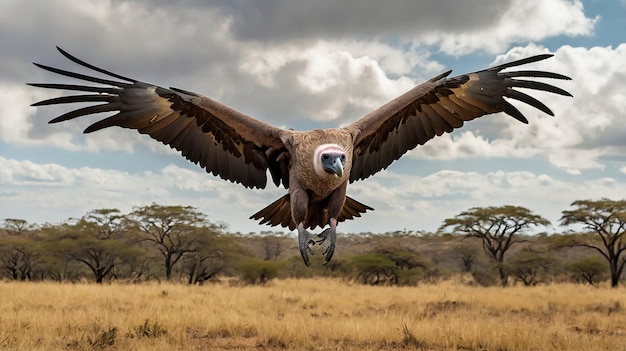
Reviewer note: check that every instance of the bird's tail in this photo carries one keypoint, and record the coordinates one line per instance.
(279, 213)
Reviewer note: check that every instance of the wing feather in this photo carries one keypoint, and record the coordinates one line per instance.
(463, 107)
(225, 142)
(439, 106)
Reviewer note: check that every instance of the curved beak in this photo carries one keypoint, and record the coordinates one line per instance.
(337, 167)
(333, 163)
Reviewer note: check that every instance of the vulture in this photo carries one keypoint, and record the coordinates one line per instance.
(315, 166)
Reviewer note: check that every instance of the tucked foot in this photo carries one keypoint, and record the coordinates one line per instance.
(304, 242)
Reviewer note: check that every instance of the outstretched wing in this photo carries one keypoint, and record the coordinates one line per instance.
(441, 105)
(224, 141)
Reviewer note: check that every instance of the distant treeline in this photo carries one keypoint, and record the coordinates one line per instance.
(485, 246)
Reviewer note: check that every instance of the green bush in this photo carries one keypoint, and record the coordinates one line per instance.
(255, 271)
(589, 269)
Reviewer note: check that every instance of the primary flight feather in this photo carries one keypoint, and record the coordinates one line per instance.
(316, 166)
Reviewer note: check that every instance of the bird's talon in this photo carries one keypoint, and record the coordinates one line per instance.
(304, 242)
(331, 235)
(323, 235)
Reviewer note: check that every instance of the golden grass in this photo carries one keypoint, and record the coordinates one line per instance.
(315, 314)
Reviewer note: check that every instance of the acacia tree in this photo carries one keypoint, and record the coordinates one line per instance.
(174, 230)
(18, 256)
(99, 255)
(388, 266)
(15, 226)
(274, 244)
(530, 266)
(496, 227)
(467, 255)
(214, 255)
(83, 243)
(607, 219)
(106, 223)
(589, 269)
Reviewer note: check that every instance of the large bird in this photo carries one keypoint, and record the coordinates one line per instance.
(316, 166)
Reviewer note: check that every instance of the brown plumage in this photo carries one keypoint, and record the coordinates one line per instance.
(316, 166)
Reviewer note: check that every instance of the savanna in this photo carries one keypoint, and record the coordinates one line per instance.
(310, 314)
(166, 278)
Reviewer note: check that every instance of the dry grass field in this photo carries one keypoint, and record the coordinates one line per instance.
(320, 314)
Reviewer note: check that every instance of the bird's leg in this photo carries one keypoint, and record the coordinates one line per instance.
(331, 234)
(304, 240)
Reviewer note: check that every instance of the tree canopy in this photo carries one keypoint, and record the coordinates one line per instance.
(179, 243)
(607, 219)
(496, 227)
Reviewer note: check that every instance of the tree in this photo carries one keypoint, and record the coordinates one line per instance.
(274, 244)
(211, 258)
(174, 230)
(14, 226)
(107, 223)
(99, 255)
(255, 271)
(530, 267)
(467, 255)
(112, 251)
(83, 243)
(374, 269)
(496, 227)
(18, 256)
(607, 219)
(56, 264)
(387, 266)
(589, 269)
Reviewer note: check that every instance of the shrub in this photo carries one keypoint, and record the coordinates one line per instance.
(255, 271)
(148, 330)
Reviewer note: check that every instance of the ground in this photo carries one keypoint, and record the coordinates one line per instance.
(311, 314)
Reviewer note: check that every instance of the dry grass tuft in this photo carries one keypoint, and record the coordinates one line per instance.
(148, 330)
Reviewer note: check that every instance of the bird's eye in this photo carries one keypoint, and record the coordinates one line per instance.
(325, 156)
(343, 157)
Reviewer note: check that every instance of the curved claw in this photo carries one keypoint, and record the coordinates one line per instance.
(323, 235)
(331, 234)
(304, 242)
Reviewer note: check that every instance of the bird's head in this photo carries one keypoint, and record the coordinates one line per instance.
(329, 159)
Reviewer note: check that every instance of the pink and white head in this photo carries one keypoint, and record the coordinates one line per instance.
(329, 159)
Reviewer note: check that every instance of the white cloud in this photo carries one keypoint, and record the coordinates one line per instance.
(585, 128)
(288, 63)
(50, 192)
(321, 82)
(523, 21)
(24, 125)
(339, 78)
(17, 124)
(452, 26)
(424, 202)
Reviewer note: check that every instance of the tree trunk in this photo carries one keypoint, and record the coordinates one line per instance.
(614, 277)
(615, 272)
(168, 267)
(192, 274)
(503, 276)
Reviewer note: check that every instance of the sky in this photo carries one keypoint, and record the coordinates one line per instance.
(316, 64)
